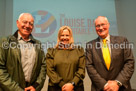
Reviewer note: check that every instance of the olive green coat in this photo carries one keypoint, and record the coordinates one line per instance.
(65, 66)
(11, 72)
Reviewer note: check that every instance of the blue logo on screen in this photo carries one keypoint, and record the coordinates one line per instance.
(45, 24)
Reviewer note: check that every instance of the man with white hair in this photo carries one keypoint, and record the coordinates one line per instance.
(110, 68)
(22, 63)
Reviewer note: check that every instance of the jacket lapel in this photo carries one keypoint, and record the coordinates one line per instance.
(112, 42)
(99, 51)
(17, 51)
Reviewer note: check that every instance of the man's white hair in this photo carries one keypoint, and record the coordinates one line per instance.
(103, 17)
(22, 15)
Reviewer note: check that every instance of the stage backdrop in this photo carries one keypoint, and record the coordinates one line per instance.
(50, 15)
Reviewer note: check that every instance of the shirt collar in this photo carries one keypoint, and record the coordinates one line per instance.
(107, 38)
(20, 38)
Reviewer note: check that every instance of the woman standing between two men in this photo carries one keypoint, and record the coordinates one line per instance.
(65, 63)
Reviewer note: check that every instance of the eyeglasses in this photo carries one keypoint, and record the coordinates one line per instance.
(30, 23)
(103, 25)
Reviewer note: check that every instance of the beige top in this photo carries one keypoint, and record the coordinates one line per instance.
(28, 56)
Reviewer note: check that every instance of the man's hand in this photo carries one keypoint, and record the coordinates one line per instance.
(111, 86)
(68, 87)
(31, 88)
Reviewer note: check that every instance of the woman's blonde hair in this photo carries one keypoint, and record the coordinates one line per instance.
(71, 41)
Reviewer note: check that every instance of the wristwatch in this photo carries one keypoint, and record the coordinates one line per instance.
(118, 83)
(73, 83)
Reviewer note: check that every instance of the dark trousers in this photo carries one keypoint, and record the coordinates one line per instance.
(27, 85)
(57, 88)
